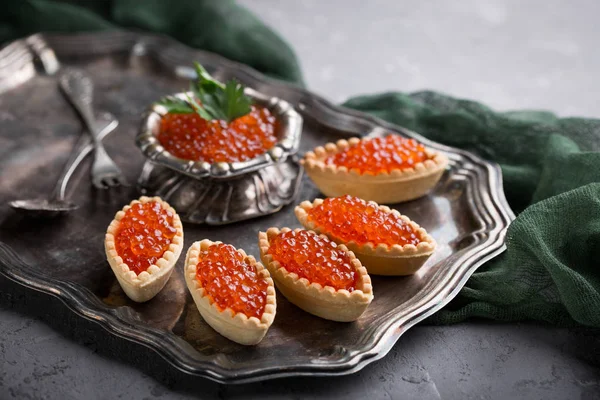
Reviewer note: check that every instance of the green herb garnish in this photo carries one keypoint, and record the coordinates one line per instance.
(211, 99)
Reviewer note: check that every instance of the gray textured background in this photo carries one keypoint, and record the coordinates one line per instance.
(509, 54)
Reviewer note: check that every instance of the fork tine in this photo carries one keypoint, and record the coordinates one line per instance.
(111, 181)
(122, 180)
(97, 182)
(117, 180)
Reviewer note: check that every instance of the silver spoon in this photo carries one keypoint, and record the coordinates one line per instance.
(57, 204)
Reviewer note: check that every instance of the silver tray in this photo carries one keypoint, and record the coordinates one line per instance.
(466, 213)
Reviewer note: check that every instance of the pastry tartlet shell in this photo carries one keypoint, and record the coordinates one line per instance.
(394, 187)
(144, 286)
(379, 259)
(325, 302)
(237, 327)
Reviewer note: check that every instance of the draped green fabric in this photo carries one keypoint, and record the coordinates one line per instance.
(551, 166)
(551, 169)
(218, 26)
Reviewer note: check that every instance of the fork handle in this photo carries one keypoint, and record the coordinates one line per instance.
(79, 90)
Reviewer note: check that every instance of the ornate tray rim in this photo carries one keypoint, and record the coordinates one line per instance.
(18, 56)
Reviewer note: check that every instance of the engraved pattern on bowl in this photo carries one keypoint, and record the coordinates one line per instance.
(217, 201)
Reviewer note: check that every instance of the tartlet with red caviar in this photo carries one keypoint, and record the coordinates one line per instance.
(316, 274)
(233, 292)
(388, 169)
(142, 244)
(386, 242)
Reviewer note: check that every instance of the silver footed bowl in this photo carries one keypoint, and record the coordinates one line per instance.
(288, 135)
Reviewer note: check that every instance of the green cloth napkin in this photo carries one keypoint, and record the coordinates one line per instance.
(551, 269)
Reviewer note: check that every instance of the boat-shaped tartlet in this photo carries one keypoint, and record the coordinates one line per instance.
(386, 242)
(316, 274)
(387, 170)
(233, 292)
(143, 242)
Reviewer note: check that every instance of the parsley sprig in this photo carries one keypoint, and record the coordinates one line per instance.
(211, 99)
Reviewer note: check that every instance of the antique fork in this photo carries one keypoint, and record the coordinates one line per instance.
(78, 88)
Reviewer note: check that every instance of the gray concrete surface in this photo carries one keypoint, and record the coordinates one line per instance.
(48, 353)
(509, 54)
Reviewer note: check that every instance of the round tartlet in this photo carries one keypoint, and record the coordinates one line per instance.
(395, 186)
(325, 302)
(379, 259)
(145, 285)
(237, 327)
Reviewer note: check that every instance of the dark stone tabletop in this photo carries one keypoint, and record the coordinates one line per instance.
(538, 54)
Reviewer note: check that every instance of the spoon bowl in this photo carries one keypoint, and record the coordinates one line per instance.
(56, 204)
(43, 207)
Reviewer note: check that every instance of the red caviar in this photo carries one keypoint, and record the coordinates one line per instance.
(144, 234)
(352, 219)
(191, 137)
(230, 281)
(315, 258)
(379, 155)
